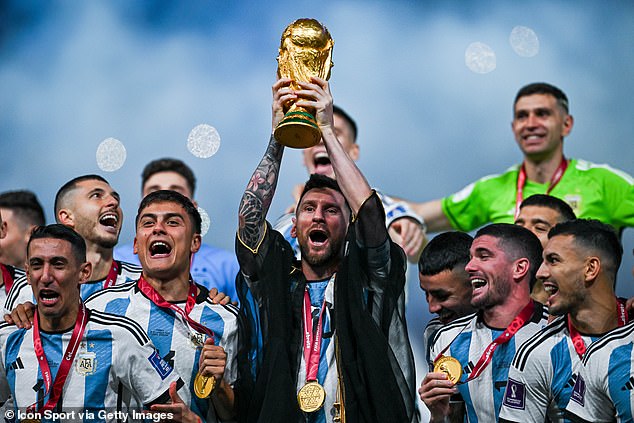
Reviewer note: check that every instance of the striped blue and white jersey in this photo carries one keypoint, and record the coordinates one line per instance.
(21, 291)
(541, 376)
(604, 385)
(116, 367)
(14, 274)
(467, 338)
(176, 342)
(428, 336)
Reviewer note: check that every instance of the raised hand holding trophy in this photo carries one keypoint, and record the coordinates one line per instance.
(305, 51)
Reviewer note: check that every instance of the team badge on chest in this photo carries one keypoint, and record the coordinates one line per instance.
(196, 340)
(86, 363)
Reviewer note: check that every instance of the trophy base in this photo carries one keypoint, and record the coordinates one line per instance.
(297, 130)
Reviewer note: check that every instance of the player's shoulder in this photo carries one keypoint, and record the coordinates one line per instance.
(108, 294)
(539, 346)
(227, 311)
(20, 292)
(622, 335)
(131, 270)
(120, 326)
(604, 170)
(451, 329)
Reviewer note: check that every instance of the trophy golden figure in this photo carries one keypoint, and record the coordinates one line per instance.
(305, 51)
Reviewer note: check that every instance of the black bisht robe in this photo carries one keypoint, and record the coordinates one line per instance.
(379, 378)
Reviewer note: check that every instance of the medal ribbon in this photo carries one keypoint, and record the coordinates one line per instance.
(521, 182)
(577, 340)
(67, 360)
(111, 279)
(7, 278)
(158, 299)
(312, 343)
(518, 322)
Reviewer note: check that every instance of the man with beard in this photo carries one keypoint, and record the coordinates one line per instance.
(324, 339)
(504, 260)
(579, 270)
(444, 280)
(405, 227)
(90, 206)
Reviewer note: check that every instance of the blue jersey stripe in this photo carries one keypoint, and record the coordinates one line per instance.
(461, 353)
(618, 375)
(100, 345)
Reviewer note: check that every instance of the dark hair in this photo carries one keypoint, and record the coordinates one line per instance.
(445, 251)
(59, 231)
(71, 185)
(163, 196)
(24, 205)
(543, 88)
(554, 203)
(168, 164)
(594, 235)
(353, 125)
(318, 181)
(517, 242)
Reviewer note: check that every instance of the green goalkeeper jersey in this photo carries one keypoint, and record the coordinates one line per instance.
(594, 191)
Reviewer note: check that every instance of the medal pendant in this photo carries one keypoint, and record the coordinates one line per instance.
(311, 397)
(204, 385)
(449, 366)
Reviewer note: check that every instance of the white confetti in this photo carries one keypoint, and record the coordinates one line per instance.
(206, 221)
(479, 58)
(111, 155)
(203, 141)
(524, 41)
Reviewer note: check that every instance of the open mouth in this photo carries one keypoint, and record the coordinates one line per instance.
(160, 248)
(477, 283)
(318, 236)
(109, 219)
(48, 297)
(550, 289)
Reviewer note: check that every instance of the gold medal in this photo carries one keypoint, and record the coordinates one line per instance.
(449, 366)
(30, 420)
(311, 397)
(203, 385)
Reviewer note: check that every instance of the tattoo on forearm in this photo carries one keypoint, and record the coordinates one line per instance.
(258, 196)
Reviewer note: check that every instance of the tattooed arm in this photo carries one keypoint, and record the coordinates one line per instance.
(259, 193)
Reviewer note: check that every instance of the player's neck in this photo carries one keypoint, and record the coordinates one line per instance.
(101, 260)
(501, 316)
(61, 323)
(597, 315)
(325, 271)
(542, 169)
(171, 289)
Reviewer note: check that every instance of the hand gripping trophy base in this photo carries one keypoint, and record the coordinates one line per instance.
(298, 129)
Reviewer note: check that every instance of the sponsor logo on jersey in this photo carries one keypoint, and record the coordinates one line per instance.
(161, 366)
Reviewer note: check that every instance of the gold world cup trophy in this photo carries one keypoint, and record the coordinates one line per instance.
(305, 51)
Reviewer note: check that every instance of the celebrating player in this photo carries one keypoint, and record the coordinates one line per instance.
(75, 358)
(326, 334)
(579, 270)
(504, 260)
(188, 329)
